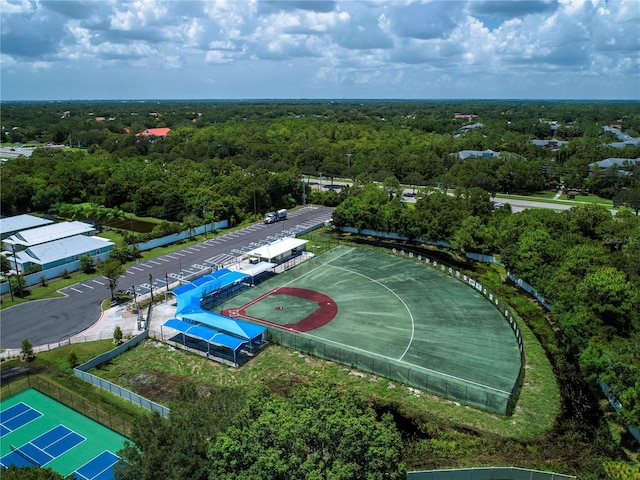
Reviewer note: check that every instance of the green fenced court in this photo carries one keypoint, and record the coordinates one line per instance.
(392, 317)
(36, 430)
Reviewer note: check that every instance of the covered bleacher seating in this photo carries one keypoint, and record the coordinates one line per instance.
(223, 338)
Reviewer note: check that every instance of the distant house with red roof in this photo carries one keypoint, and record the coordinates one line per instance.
(154, 132)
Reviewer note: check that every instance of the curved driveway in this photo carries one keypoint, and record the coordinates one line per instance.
(53, 320)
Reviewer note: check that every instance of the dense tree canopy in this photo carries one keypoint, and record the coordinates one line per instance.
(316, 432)
(177, 448)
(584, 261)
(256, 152)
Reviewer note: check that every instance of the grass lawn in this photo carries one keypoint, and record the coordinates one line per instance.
(279, 367)
(548, 197)
(155, 371)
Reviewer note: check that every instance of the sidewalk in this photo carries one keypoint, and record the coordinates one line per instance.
(127, 321)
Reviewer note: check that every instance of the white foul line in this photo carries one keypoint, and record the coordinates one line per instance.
(397, 296)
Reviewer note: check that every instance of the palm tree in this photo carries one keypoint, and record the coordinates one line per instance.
(189, 222)
(66, 210)
(114, 214)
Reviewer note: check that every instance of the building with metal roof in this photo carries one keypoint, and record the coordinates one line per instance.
(17, 223)
(60, 252)
(552, 144)
(154, 132)
(278, 251)
(49, 233)
(218, 336)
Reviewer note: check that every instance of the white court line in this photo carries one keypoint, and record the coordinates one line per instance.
(350, 347)
(413, 327)
(471, 382)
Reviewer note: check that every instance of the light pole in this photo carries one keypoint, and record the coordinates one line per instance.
(135, 297)
(15, 261)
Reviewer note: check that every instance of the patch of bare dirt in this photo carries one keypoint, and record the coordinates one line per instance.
(157, 386)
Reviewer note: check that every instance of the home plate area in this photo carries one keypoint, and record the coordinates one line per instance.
(289, 308)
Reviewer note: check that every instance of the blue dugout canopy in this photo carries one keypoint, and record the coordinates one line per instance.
(189, 295)
(204, 333)
(238, 328)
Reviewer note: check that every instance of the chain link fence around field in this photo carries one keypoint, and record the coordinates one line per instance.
(487, 473)
(71, 400)
(422, 378)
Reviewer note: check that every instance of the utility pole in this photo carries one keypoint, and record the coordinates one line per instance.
(151, 286)
(135, 301)
(204, 215)
(304, 193)
(135, 298)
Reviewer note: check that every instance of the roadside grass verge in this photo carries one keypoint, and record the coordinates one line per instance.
(549, 198)
(38, 292)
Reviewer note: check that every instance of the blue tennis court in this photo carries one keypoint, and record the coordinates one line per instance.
(99, 468)
(17, 416)
(43, 449)
(39, 431)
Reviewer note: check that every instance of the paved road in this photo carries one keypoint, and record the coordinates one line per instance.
(517, 205)
(53, 320)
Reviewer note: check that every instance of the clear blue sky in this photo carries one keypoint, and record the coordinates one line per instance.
(249, 49)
